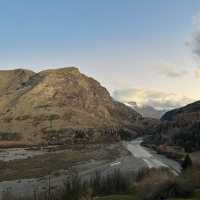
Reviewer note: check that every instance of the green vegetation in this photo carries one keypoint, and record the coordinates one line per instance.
(179, 133)
(187, 162)
(98, 185)
(196, 196)
(118, 197)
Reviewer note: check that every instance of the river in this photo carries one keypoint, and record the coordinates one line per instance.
(150, 157)
(140, 157)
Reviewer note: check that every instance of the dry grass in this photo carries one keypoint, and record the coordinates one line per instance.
(51, 162)
(193, 175)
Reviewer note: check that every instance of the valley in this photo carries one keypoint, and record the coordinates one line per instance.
(99, 100)
(59, 124)
(34, 169)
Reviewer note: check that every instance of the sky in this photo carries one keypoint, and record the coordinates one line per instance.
(140, 50)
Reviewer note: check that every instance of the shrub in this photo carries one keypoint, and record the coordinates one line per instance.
(159, 184)
(112, 183)
(74, 188)
(187, 163)
(183, 188)
(192, 174)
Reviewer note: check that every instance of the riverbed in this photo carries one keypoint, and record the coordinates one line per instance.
(139, 157)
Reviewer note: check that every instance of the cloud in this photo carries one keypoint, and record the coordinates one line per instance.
(194, 42)
(175, 69)
(197, 72)
(159, 100)
(172, 71)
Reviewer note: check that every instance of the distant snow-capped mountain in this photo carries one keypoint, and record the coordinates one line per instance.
(146, 110)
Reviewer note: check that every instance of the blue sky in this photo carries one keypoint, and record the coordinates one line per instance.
(125, 44)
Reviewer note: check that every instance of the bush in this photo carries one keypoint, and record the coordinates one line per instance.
(192, 174)
(187, 163)
(183, 188)
(99, 184)
(112, 183)
(74, 189)
(157, 184)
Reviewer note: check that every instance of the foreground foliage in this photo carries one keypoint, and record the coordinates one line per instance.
(147, 184)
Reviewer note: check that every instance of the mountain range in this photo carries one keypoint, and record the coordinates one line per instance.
(64, 106)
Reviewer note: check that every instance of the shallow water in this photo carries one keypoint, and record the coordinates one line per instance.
(150, 157)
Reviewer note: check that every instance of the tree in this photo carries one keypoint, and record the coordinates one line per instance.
(187, 162)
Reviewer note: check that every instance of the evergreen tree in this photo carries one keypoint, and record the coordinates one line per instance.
(187, 162)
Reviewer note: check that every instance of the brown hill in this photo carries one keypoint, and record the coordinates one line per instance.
(58, 106)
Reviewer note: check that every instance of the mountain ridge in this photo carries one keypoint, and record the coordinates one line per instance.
(146, 110)
(59, 106)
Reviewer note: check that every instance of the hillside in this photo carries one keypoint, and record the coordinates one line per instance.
(189, 112)
(59, 106)
(180, 127)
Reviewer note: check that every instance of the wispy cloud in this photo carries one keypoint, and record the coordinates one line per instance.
(172, 70)
(194, 42)
(157, 99)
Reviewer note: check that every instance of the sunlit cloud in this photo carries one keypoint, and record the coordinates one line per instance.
(197, 72)
(157, 99)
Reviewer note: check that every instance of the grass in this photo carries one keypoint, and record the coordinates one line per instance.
(118, 197)
(148, 184)
(39, 165)
(152, 184)
(195, 197)
(43, 165)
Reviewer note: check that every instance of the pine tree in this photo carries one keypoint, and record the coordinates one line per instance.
(187, 162)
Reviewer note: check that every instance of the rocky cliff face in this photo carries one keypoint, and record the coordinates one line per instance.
(58, 106)
(180, 127)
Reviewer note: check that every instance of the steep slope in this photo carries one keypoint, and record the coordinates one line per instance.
(180, 127)
(13, 79)
(60, 106)
(10, 82)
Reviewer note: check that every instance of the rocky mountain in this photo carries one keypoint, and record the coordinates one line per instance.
(59, 106)
(180, 127)
(146, 110)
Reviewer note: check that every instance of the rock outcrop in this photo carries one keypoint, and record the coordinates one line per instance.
(59, 106)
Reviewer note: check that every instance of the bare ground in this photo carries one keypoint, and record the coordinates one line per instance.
(57, 158)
